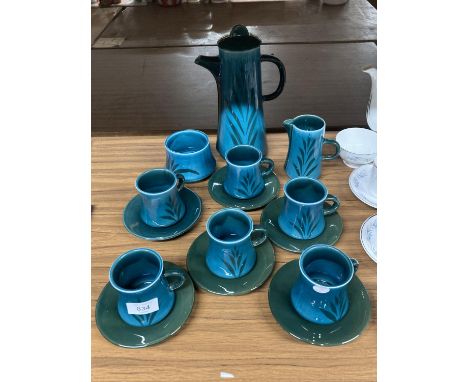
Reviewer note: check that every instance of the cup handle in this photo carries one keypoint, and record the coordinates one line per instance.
(177, 283)
(355, 264)
(328, 210)
(327, 141)
(261, 234)
(269, 164)
(180, 181)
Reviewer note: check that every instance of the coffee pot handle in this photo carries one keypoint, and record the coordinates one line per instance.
(282, 73)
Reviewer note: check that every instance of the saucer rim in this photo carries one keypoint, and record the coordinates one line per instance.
(191, 287)
(240, 293)
(367, 250)
(317, 343)
(241, 201)
(164, 238)
(262, 221)
(357, 194)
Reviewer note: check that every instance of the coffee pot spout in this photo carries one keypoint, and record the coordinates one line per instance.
(212, 63)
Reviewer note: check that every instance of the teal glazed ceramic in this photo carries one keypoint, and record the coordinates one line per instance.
(306, 137)
(320, 294)
(233, 238)
(244, 176)
(135, 225)
(269, 220)
(239, 80)
(159, 190)
(145, 295)
(117, 331)
(206, 280)
(217, 192)
(188, 153)
(346, 330)
(304, 209)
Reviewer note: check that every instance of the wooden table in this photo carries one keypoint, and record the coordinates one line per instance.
(238, 334)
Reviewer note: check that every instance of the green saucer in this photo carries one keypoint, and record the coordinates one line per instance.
(347, 329)
(269, 219)
(217, 192)
(204, 279)
(114, 329)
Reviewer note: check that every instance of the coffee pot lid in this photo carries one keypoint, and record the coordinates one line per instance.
(239, 39)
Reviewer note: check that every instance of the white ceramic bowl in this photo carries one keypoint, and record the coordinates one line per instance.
(358, 146)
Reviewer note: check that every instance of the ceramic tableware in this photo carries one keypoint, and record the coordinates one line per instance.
(188, 153)
(306, 137)
(320, 293)
(304, 211)
(363, 184)
(233, 238)
(269, 219)
(239, 81)
(145, 295)
(368, 236)
(246, 170)
(217, 192)
(161, 203)
(371, 112)
(208, 281)
(346, 330)
(136, 226)
(117, 331)
(358, 146)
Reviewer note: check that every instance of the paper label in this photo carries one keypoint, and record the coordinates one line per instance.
(145, 307)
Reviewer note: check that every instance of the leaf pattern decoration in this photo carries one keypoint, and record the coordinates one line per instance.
(306, 160)
(234, 261)
(242, 119)
(249, 185)
(172, 210)
(144, 319)
(335, 309)
(305, 224)
(178, 169)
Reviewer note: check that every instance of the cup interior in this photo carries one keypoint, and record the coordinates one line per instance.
(309, 122)
(136, 270)
(187, 142)
(358, 140)
(326, 266)
(156, 181)
(305, 190)
(229, 226)
(243, 155)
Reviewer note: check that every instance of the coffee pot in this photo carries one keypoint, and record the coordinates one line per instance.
(238, 78)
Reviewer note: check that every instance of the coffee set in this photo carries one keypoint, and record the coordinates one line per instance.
(317, 298)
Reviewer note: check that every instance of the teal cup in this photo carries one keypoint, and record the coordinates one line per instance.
(146, 291)
(161, 203)
(246, 169)
(304, 210)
